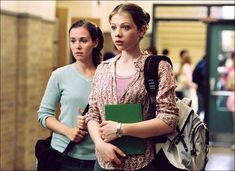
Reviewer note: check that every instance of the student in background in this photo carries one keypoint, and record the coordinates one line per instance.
(111, 54)
(199, 77)
(108, 55)
(165, 52)
(69, 86)
(121, 81)
(230, 85)
(151, 50)
(185, 84)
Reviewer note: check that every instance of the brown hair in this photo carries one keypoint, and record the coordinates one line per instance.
(139, 16)
(184, 59)
(95, 33)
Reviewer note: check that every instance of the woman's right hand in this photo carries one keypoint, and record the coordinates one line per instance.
(108, 152)
(75, 134)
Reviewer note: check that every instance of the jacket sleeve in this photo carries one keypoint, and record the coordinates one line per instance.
(166, 98)
(93, 112)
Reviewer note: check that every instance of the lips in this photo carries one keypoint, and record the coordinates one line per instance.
(78, 53)
(119, 42)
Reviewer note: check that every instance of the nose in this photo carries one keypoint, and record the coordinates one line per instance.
(117, 32)
(78, 45)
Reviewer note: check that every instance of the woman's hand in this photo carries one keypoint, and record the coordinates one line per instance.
(109, 153)
(108, 130)
(75, 134)
(81, 122)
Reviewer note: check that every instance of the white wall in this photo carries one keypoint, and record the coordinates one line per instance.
(102, 9)
(99, 10)
(10, 6)
(44, 9)
(105, 8)
(76, 8)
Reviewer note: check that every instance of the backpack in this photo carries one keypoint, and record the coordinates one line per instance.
(187, 147)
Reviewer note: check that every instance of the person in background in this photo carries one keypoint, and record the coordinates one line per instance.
(230, 85)
(199, 77)
(69, 86)
(185, 84)
(111, 54)
(121, 81)
(151, 50)
(165, 52)
(108, 55)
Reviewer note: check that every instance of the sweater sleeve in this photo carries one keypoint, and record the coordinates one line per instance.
(50, 99)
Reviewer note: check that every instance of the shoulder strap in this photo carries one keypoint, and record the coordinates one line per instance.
(72, 143)
(151, 78)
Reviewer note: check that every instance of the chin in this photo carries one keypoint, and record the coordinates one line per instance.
(120, 48)
(78, 58)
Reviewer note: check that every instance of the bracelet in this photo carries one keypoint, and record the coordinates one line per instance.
(119, 130)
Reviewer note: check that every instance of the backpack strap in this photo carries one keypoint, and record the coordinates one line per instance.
(177, 139)
(151, 79)
(72, 143)
(151, 85)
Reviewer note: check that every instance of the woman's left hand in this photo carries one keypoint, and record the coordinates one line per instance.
(108, 130)
(81, 120)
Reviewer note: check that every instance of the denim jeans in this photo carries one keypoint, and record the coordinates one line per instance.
(149, 167)
(72, 164)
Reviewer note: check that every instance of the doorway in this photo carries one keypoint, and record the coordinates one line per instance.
(220, 49)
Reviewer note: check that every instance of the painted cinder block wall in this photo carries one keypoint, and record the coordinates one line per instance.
(26, 64)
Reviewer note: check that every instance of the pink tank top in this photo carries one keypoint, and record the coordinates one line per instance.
(122, 83)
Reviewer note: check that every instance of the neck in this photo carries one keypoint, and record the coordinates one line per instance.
(86, 68)
(127, 56)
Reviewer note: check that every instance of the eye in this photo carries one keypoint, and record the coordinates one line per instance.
(113, 28)
(83, 41)
(126, 28)
(72, 41)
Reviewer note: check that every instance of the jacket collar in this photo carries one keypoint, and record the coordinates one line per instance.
(139, 63)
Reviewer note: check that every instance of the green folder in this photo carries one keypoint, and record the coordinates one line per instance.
(126, 113)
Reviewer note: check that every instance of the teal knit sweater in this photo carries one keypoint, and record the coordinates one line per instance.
(71, 89)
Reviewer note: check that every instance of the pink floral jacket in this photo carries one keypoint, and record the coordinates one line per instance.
(104, 92)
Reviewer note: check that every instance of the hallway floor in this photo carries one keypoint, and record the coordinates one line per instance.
(221, 158)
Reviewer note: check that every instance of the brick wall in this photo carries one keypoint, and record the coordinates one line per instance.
(9, 44)
(26, 64)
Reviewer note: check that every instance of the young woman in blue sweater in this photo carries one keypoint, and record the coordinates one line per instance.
(69, 86)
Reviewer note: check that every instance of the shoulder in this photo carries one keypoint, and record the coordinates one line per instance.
(63, 69)
(60, 72)
(201, 63)
(111, 60)
(164, 65)
(107, 63)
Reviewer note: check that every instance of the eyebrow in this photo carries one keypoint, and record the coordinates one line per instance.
(80, 38)
(123, 23)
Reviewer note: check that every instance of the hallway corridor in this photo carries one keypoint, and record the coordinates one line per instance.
(221, 158)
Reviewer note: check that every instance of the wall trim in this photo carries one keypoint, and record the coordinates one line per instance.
(25, 15)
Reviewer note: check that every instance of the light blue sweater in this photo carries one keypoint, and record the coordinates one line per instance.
(70, 88)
